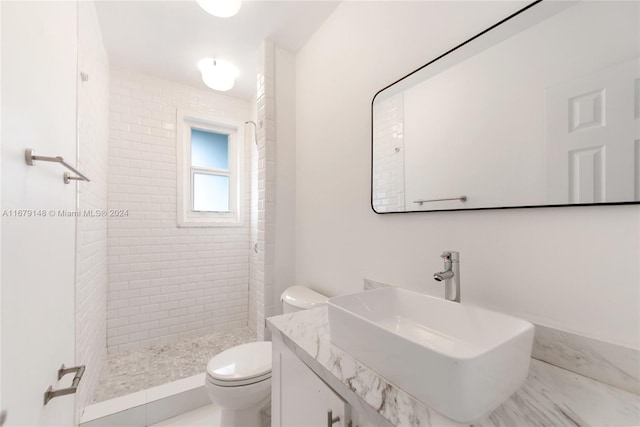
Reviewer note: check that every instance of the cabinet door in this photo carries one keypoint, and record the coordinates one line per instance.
(300, 398)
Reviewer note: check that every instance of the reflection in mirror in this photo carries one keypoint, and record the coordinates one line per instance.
(542, 110)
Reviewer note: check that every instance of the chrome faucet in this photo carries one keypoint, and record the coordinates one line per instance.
(450, 275)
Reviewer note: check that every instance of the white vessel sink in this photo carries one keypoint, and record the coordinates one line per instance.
(460, 360)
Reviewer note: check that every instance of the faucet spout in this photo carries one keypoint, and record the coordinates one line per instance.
(443, 275)
(450, 275)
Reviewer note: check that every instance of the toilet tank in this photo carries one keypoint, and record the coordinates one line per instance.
(296, 298)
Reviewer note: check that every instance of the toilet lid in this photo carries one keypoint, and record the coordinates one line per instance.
(303, 297)
(240, 363)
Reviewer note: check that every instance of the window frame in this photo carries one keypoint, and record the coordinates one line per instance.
(186, 216)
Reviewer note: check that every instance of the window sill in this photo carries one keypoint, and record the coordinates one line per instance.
(212, 223)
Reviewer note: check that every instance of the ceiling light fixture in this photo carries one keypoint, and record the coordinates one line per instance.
(220, 8)
(218, 74)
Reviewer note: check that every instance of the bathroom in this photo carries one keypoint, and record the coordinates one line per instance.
(120, 80)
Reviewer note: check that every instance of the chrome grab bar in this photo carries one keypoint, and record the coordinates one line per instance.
(30, 157)
(50, 393)
(461, 198)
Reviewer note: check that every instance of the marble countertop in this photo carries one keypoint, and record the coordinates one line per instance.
(550, 396)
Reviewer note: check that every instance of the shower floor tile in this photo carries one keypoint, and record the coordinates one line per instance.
(136, 370)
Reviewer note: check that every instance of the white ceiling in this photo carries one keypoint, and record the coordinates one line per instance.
(168, 38)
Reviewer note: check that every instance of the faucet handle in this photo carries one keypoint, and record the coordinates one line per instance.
(446, 255)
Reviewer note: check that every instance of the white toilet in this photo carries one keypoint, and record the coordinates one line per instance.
(239, 379)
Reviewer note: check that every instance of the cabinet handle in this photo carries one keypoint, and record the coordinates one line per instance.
(331, 420)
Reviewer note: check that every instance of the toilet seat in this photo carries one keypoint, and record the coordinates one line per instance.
(241, 365)
(238, 383)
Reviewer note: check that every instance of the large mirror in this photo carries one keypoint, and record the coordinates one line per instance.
(542, 109)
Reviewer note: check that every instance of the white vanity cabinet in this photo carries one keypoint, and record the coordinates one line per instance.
(300, 398)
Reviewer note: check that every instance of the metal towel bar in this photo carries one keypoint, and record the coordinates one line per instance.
(30, 157)
(461, 198)
(51, 393)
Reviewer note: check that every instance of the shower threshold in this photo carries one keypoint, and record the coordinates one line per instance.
(147, 407)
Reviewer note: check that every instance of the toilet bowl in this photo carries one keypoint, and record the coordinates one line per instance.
(238, 380)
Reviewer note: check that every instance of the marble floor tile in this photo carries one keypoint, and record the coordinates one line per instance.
(207, 416)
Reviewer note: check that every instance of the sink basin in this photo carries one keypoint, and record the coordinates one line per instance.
(460, 360)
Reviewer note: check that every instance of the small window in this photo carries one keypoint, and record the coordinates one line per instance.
(209, 171)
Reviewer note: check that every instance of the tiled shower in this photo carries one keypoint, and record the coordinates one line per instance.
(166, 283)
(157, 301)
(176, 296)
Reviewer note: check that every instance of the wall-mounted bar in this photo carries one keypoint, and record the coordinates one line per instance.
(461, 198)
(30, 157)
(51, 393)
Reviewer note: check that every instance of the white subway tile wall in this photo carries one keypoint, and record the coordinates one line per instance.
(263, 263)
(166, 283)
(91, 246)
(254, 266)
(388, 171)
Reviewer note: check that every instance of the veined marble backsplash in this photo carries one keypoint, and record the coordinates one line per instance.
(605, 362)
(372, 284)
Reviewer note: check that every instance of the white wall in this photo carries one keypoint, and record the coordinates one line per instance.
(166, 283)
(91, 244)
(1, 407)
(285, 188)
(570, 268)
